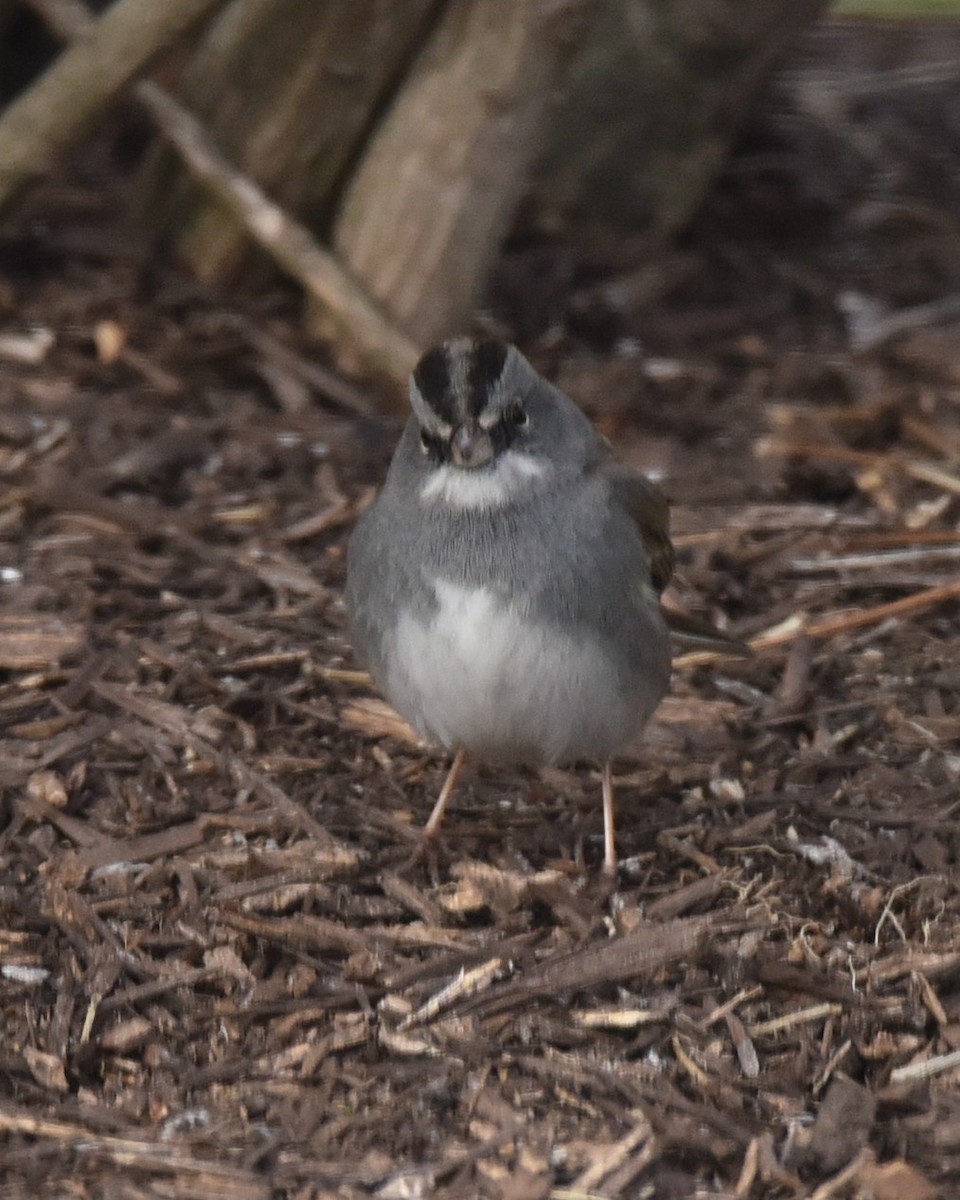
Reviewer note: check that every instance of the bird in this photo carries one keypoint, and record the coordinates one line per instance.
(503, 589)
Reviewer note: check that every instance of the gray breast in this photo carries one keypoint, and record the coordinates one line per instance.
(525, 634)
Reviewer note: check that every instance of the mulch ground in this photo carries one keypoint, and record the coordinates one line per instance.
(217, 976)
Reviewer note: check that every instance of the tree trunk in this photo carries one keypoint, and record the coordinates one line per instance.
(408, 130)
(654, 103)
(288, 89)
(433, 197)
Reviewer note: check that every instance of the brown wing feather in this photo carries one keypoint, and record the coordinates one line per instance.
(648, 507)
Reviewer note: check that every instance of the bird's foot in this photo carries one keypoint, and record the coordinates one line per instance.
(603, 885)
(426, 854)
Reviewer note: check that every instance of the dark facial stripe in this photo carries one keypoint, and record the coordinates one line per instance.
(432, 377)
(486, 367)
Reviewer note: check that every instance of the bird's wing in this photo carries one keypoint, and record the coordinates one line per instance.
(647, 507)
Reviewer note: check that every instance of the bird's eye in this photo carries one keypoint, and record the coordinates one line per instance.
(432, 445)
(517, 416)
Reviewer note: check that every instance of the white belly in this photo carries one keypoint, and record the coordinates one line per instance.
(483, 675)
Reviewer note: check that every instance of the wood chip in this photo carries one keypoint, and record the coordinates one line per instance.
(37, 641)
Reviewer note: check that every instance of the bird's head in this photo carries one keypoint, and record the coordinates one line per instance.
(469, 397)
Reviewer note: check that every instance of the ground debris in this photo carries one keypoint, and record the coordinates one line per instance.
(219, 974)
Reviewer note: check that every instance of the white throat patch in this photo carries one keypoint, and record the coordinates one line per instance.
(511, 475)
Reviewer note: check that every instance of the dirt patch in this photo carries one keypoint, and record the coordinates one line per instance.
(217, 977)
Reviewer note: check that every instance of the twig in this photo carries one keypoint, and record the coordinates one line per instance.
(611, 1157)
(857, 85)
(803, 1016)
(131, 1152)
(324, 381)
(927, 1068)
(357, 322)
(467, 983)
(928, 598)
(929, 473)
(838, 1183)
(748, 1171)
(789, 631)
(868, 327)
(869, 561)
(781, 447)
(720, 1012)
(895, 538)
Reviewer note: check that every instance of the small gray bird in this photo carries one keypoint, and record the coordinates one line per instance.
(503, 589)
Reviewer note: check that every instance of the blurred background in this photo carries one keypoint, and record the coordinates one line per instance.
(409, 144)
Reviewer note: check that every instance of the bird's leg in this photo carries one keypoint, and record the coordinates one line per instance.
(609, 836)
(432, 827)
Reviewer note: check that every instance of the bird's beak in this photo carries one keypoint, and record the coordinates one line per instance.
(471, 447)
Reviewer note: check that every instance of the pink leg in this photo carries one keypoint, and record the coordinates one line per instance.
(609, 836)
(432, 827)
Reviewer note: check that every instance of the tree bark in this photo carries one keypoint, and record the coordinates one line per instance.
(428, 120)
(654, 104)
(83, 80)
(363, 338)
(288, 89)
(432, 199)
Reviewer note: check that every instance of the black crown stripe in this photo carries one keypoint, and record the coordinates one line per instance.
(487, 362)
(432, 377)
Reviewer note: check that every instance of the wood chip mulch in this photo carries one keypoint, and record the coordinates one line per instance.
(217, 976)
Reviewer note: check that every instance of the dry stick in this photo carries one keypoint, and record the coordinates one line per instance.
(51, 113)
(133, 1152)
(926, 1068)
(829, 626)
(780, 447)
(357, 322)
(930, 473)
(870, 560)
(926, 472)
(928, 598)
(868, 332)
(895, 538)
